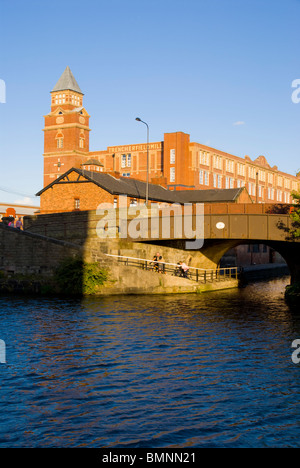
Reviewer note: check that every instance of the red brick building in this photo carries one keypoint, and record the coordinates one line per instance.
(175, 162)
(83, 190)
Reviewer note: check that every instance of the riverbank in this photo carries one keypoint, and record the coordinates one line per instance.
(130, 282)
(77, 278)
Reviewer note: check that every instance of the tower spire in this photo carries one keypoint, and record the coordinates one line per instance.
(67, 82)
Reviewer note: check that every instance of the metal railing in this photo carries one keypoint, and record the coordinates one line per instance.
(199, 275)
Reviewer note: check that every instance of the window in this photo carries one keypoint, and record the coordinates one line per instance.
(252, 189)
(133, 202)
(204, 178)
(279, 195)
(262, 175)
(203, 158)
(229, 166)
(201, 177)
(227, 183)
(126, 160)
(126, 174)
(219, 181)
(241, 169)
(77, 204)
(231, 182)
(215, 180)
(115, 203)
(271, 193)
(60, 142)
(81, 142)
(252, 173)
(172, 156)
(217, 162)
(172, 174)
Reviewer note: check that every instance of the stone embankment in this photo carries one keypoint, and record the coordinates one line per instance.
(28, 262)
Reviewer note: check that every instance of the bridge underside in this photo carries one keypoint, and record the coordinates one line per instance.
(209, 256)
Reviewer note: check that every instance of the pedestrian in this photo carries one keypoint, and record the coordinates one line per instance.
(156, 259)
(11, 223)
(19, 224)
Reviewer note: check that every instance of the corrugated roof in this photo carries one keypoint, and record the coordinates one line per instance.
(67, 81)
(212, 195)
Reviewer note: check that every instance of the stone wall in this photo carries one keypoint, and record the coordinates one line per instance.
(27, 253)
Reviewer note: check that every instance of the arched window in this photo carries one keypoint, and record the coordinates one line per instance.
(81, 140)
(59, 140)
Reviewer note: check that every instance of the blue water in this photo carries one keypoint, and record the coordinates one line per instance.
(210, 370)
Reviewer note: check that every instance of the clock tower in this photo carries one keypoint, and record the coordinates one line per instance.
(66, 131)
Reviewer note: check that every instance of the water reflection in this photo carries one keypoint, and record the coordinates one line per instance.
(210, 370)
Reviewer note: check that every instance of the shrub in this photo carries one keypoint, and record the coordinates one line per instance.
(76, 277)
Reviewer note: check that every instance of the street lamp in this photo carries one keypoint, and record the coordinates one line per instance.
(147, 180)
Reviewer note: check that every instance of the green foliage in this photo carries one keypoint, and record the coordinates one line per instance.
(292, 293)
(294, 232)
(76, 277)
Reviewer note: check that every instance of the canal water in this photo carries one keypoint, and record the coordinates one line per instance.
(182, 371)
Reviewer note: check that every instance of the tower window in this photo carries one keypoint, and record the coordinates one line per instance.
(60, 142)
(81, 142)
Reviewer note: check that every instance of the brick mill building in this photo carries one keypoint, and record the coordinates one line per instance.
(175, 163)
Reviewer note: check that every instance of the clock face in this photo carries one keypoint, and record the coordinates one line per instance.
(60, 120)
(82, 120)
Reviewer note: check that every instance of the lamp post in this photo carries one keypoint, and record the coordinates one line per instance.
(147, 180)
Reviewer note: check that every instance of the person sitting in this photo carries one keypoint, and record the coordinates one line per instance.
(184, 269)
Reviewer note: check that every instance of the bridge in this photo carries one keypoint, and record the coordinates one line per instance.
(224, 226)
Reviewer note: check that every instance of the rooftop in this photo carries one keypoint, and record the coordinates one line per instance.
(137, 189)
(67, 82)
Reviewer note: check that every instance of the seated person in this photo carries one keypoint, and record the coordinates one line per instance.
(184, 269)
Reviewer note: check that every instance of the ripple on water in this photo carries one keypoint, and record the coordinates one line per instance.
(209, 370)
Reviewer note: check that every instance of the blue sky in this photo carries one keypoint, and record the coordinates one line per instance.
(220, 70)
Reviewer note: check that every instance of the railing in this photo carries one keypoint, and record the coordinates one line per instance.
(199, 275)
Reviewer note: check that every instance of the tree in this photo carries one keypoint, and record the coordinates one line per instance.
(295, 217)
